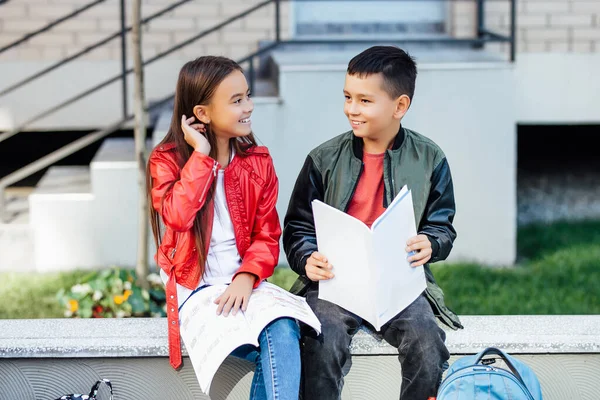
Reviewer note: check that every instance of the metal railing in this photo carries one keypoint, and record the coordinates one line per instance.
(93, 137)
(483, 36)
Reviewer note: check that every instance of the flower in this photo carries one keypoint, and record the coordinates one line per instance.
(81, 289)
(73, 305)
(117, 285)
(97, 311)
(155, 279)
(113, 293)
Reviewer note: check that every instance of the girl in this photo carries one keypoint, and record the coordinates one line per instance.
(215, 192)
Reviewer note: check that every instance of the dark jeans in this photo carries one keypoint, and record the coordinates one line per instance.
(414, 332)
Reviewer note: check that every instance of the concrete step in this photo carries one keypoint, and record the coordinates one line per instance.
(16, 248)
(114, 150)
(17, 204)
(60, 209)
(6, 119)
(64, 180)
(86, 217)
(17, 238)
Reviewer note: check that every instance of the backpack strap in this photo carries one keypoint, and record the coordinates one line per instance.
(505, 358)
(94, 391)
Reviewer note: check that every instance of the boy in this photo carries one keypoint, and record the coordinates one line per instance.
(360, 172)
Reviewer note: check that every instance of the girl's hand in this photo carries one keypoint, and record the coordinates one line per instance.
(237, 294)
(420, 246)
(193, 134)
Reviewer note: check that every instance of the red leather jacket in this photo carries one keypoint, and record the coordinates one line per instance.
(251, 189)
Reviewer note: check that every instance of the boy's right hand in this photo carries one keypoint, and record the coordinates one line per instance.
(317, 268)
(193, 134)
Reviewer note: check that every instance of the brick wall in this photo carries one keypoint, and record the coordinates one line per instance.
(18, 17)
(542, 25)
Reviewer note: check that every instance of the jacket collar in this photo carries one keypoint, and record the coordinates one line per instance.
(358, 144)
(252, 150)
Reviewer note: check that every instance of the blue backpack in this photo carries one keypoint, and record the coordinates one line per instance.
(474, 378)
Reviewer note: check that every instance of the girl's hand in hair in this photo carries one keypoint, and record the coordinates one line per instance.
(194, 134)
(237, 294)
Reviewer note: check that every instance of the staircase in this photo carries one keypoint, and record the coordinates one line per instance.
(86, 216)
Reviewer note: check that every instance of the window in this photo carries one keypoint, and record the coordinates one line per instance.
(319, 18)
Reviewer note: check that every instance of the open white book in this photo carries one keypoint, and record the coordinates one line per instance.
(373, 278)
(209, 338)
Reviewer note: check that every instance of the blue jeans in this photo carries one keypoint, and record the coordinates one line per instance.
(277, 360)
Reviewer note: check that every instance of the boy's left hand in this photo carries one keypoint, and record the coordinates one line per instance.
(236, 295)
(421, 246)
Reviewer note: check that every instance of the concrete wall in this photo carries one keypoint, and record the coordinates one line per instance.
(554, 88)
(455, 106)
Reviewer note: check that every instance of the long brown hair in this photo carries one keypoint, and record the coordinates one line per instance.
(198, 80)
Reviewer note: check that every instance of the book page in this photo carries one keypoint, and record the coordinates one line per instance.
(209, 338)
(346, 242)
(270, 302)
(398, 199)
(398, 283)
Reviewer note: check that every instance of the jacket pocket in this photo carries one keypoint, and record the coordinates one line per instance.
(435, 296)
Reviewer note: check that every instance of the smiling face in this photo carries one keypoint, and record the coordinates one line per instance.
(230, 108)
(373, 114)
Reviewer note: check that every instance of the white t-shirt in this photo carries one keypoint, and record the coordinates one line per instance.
(223, 259)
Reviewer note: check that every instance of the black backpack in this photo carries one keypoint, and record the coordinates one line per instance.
(93, 393)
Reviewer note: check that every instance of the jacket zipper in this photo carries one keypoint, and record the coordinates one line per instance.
(391, 195)
(175, 248)
(214, 171)
(227, 201)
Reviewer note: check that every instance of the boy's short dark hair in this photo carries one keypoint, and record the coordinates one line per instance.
(398, 68)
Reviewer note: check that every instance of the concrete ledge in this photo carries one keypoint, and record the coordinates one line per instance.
(324, 57)
(147, 337)
(71, 353)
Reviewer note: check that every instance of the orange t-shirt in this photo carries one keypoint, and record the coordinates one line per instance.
(367, 202)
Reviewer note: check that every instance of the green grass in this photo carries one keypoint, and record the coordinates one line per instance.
(558, 273)
(30, 295)
(563, 282)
